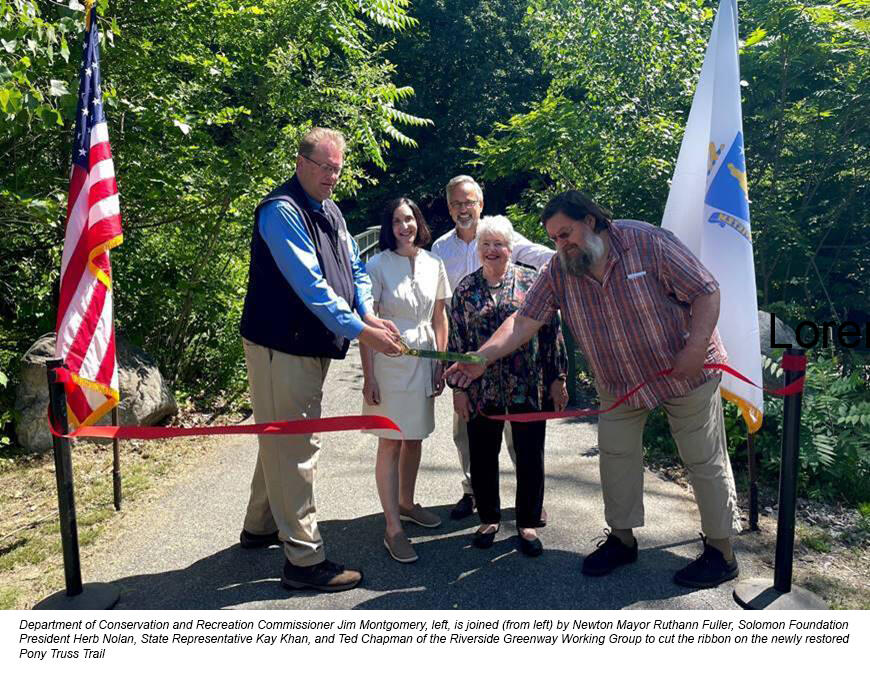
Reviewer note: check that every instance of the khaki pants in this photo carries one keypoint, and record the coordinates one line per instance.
(283, 387)
(460, 438)
(698, 428)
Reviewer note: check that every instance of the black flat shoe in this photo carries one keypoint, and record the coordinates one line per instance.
(484, 539)
(530, 547)
(464, 508)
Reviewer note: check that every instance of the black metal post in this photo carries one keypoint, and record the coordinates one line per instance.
(69, 534)
(759, 593)
(753, 483)
(116, 447)
(788, 478)
(116, 464)
(76, 596)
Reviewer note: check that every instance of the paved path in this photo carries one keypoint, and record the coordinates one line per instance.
(184, 551)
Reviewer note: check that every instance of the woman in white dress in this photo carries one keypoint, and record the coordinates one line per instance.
(409, 287)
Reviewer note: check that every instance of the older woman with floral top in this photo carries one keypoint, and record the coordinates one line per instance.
(531, 379)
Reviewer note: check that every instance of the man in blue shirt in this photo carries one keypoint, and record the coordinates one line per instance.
(308, 296)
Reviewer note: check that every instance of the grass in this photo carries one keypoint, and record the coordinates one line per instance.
(816, 539)
(31, 558)
(864, 516)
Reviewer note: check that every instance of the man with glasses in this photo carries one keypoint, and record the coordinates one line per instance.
(308, 296)
(458, 250)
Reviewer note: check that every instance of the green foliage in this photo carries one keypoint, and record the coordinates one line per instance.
(470, 63)
(864, 516)
(806, 136)
(835, 432)
(834, 436)
(206, 101)
(622, 78)
(622, 75)
(816, 539)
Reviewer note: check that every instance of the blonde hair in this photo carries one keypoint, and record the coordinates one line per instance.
(496, 226)
(319, 134)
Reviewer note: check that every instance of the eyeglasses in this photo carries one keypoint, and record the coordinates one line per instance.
(470, 204)
(326, 167)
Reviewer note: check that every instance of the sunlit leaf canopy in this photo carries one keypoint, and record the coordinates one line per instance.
(206, 101)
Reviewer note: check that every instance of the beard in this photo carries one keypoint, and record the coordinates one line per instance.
(577, 260)
(467, 223)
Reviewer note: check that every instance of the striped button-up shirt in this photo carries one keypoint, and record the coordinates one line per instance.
(631, 325)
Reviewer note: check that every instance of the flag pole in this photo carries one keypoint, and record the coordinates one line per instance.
(116, 447)
(759, 593)
(77, 595)
(753, 481)
(116, 464)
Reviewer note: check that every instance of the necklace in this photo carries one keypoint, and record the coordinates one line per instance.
(498, 285)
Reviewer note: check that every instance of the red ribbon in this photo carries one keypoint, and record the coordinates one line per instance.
(285, 427)
(794, 388)
(360, 422)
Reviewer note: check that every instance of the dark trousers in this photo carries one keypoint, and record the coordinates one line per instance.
(484, 442)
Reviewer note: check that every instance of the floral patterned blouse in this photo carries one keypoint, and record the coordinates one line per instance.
(519, 381)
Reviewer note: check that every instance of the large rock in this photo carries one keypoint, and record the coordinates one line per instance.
(784, 334)
(145, 397)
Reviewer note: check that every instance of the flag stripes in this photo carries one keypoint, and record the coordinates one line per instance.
(85, 331)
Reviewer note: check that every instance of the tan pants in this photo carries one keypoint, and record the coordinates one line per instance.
(460, 438)
(698, 428)
(284, 387)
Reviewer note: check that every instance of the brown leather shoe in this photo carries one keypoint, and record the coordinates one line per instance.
(325, 576)
(400, 548)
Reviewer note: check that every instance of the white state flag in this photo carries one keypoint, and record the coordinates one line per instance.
(708, 207)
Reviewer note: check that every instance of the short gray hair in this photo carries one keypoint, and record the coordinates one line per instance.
(316, 136)
(496, 226)
(459, 180)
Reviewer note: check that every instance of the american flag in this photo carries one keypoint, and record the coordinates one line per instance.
(85, 326)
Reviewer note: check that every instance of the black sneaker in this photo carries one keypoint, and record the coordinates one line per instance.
(250, 540)
(325, 576)
(464, 508)
(708, 570)
(610, 553)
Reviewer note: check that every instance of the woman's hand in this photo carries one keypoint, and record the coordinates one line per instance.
(438, 379)
(463, 374)
(559, 394)
(371, 392)
(461, 405)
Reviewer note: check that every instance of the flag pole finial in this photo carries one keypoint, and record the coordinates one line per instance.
(88, 6)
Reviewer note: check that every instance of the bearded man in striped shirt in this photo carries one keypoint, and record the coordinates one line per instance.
(637, 302)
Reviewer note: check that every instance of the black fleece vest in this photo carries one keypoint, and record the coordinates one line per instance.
(274, 315)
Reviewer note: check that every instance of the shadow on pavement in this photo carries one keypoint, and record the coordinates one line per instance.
(449, 575)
